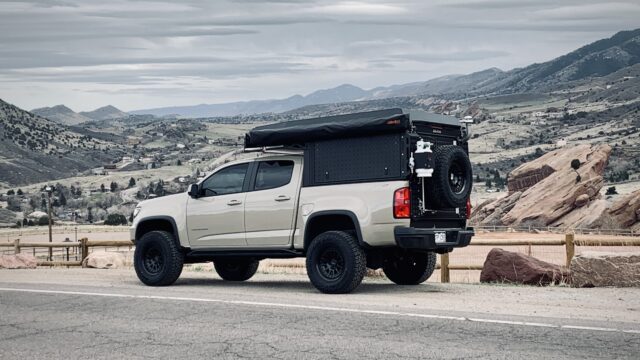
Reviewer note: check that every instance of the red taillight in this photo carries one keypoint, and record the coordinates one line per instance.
(402, 203)
(469, 208)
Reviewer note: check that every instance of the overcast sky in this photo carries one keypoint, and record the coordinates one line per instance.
(141, 54)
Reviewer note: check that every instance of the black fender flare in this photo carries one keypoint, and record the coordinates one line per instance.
(172, 221)
(350, 214)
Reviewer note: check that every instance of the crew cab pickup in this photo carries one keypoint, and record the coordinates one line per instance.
(387, 198)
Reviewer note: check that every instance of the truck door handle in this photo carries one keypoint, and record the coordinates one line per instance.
(282, 198)
(234, 202)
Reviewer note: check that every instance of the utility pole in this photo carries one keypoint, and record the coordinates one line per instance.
(49, 190)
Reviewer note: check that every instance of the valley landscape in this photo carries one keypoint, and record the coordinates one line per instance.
(488, 207)
(105, 161)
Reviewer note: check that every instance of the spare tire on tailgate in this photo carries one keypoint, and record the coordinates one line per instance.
(450, 185)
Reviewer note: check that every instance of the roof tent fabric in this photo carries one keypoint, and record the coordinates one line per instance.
(330, 127)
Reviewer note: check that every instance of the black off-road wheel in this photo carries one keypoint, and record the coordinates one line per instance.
(236, 269)
(450, 185)
(157, 259)
(410, 268)
(336, 263)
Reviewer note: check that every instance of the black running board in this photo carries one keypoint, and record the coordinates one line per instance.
(210, 255)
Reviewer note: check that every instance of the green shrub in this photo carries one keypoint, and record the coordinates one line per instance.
(116, 219)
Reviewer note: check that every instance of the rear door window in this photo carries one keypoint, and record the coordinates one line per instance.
(273, 174)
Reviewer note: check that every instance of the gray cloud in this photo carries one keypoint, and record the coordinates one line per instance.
(140, 54)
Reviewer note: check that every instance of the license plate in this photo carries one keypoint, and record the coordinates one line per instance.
(441, 237)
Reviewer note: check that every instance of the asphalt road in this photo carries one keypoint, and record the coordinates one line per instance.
(85, 313)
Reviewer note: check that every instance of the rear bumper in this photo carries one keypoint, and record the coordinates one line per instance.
(425, 239)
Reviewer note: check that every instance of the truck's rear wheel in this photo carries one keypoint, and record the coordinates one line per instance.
(236, 269)
(410, 268)
(450, 185)
(157, 259)
(336, 263)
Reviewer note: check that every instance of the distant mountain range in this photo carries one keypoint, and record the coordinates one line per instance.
(595, 60)
(63, 115)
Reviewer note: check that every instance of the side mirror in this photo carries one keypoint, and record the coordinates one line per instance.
(194, 191)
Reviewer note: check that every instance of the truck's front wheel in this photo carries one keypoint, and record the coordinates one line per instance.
(336, 263)
(410, 268)
(157, 259)
(236, 269)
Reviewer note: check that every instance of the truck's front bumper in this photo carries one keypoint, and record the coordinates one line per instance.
(432, 239)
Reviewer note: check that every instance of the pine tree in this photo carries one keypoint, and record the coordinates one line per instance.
(89, 215)
(20, 192)
(132, 182)
(102, 188)
(114, 186)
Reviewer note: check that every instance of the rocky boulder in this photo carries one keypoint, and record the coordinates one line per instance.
(543, 191)
(512, 267)
(626, 211)
(104, 260)
(18, 261)
(595, 269)
(586, 217)
(581, 200)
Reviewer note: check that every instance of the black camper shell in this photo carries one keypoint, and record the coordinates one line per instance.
(360, 147)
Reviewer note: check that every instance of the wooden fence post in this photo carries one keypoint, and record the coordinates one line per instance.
(570, 247)
(16, 246)
(84, 249)
(444, 268)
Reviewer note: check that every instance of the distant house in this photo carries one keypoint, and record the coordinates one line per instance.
(146, 160)
(634, 176)
(109, 166)
(562, 142)
(132, 140)
(180, 146)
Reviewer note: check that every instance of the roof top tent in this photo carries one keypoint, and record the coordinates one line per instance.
(342, 126)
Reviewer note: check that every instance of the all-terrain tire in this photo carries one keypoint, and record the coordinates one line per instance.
(410, 268)
(335, 262)
(450, 185)
(157, 259)
(236, 269)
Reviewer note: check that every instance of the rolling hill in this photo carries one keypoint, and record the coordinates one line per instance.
(61, 114)
(33, 148)
(105, 113)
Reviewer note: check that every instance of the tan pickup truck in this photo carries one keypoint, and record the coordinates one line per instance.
(389, 197)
